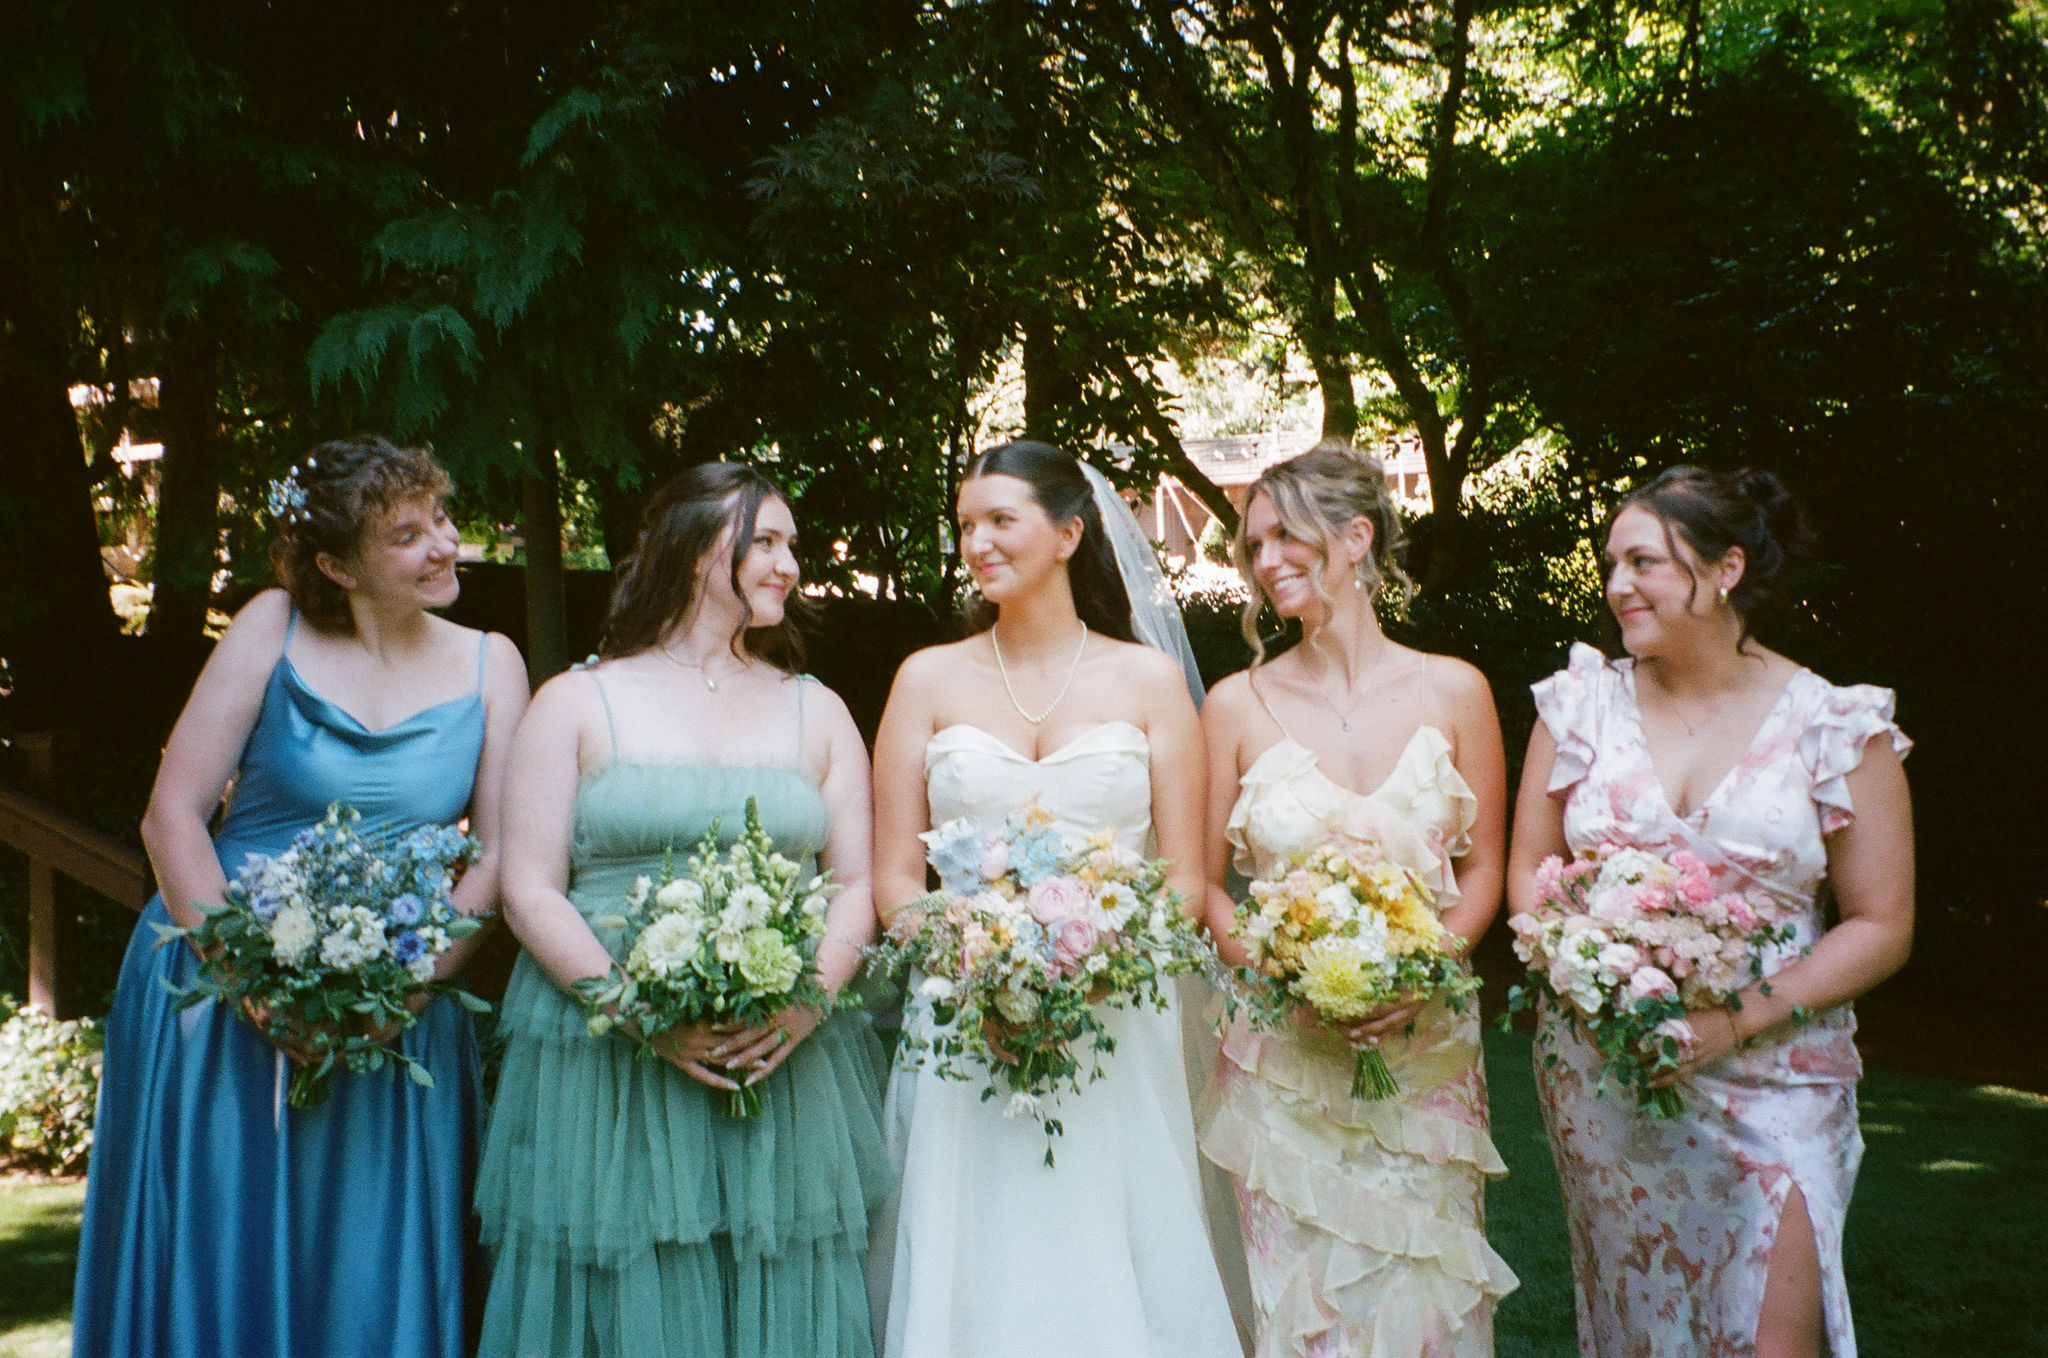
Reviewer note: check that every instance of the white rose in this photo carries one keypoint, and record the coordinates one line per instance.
(1337, 900)
(292, 934)
(937, 988)
(422, 968)
(681, 894)
(667, 945)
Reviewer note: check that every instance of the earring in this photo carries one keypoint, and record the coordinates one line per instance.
(1724, 594)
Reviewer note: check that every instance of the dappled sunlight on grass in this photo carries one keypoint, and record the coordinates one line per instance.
(38, 1249)
(1942, 1254)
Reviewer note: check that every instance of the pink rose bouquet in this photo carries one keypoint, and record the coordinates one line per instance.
(1029, 936)
(1628, 944)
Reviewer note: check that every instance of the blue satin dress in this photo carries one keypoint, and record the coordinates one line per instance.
(218, 1219)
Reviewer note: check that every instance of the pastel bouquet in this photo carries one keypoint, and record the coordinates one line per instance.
(329, 945)
(1629, 943)
(732, 939)
(1030, 934)
(1345, 929)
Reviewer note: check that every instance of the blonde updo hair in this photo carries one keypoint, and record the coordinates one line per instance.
(1315, 495)
(342, 488)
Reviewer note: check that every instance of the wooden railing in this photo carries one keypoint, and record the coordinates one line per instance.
(56, 843)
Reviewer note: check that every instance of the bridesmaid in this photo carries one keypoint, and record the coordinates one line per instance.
(1363, 1220)
(626, 1212)
(218, 1220)
(1720, 1232)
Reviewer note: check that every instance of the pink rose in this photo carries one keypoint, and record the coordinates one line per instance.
(975, 944)
(1679, 1031)
(1696, 890)
(1648, 983)
(996, 861)
(1060, 898)
(1072, 943)
(1740, 915)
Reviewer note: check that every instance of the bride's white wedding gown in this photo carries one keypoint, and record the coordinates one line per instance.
(984, 1251)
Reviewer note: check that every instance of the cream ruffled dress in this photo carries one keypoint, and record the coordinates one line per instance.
(1364, 1221)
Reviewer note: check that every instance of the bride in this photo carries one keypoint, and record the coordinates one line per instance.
(985, 1251)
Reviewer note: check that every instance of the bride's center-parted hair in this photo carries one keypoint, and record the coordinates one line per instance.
(1061, 489)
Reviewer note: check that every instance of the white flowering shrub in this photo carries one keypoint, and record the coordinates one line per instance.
(49, 1085)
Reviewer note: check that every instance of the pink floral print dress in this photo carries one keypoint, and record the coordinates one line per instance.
(1672, 1223)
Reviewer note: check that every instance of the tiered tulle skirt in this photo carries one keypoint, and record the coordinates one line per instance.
(627, 1214)
(1364, 1221)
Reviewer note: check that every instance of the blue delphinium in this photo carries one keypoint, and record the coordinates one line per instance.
(956, 850)
(1034, 854)
(405, 909)
(409, 948)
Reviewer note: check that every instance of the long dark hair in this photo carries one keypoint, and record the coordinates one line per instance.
(1062, 491)
(658, 584)
(1714, 511)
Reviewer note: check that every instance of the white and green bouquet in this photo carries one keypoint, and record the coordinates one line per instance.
(731, 940)
(329, 946)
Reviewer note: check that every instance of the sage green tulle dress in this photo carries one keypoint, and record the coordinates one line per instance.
(626, 1213)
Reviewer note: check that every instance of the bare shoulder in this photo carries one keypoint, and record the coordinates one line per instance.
(1461, 681)
(256, 637)
(929, 666)
(568, 699)
(823, 703)
(1230, 702)
(1145, 665)
(502, 657)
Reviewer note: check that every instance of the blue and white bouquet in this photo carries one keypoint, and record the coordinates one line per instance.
(327, 945)
(731, 940)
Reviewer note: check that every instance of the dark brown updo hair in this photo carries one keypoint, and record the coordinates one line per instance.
(329, 502)
(1062, 491)
(1315, 495)
(657, 585)
(1714, 511)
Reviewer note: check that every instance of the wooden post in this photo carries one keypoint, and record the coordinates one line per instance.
(38, 758)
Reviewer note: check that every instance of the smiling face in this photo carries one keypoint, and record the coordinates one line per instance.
(1286, 565)
(407, 554)
(1658, 589)
(1008, 541)
(768, 569)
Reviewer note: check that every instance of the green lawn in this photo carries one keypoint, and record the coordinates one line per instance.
(38, 1246)
(1943, 1252)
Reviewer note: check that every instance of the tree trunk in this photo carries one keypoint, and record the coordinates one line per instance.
(547, 608)
(188, 503)
(55, 610)
(1340, 407)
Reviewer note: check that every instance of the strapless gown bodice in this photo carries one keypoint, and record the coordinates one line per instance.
(1102, 778)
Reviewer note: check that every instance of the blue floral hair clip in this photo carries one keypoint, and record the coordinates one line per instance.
(288, 497)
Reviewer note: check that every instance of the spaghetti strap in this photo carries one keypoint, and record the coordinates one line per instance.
(483, 641)
(291, 625)
(611, 729)
(801, 680)
(1252, 679)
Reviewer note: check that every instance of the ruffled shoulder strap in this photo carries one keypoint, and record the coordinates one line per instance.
(1571, 703)
(1849, 717)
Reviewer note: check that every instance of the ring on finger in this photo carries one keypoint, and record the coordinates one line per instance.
(781, 1037)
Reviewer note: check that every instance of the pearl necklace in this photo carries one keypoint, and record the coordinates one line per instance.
(1073, 668)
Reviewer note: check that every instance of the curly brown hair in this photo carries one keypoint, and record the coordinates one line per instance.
(346, 484)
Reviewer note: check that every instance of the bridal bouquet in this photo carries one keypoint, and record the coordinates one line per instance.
(1028, 935)
(733, 939)
(1629, 943)
(1344, 929)
(328, 944)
